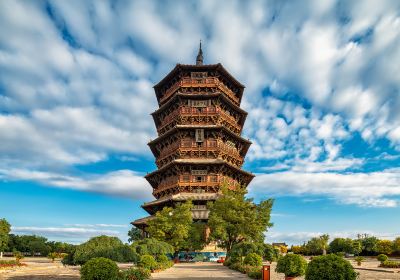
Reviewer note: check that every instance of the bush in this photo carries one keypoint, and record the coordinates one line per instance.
(151, 246)
(100, 269)
(148, 261)
(255, 274)
(390, 264)
(253, 259)
(162, 258)
(359, 260)
(104, 246)
(270, 253)
(382, 258)
(330, 267)
(18, 256)
(341, 254)
(52, 256)
(235, 266)
(227, 262)
(136, 274)
(292, 265)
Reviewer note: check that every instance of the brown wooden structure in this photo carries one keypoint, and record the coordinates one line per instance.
(199, 145)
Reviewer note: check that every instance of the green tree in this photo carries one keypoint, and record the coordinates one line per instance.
(5, 228)
(318, 245)
(234, 218)
(369, 244)
(384, 247)
(172, 225)
(197, 238)
(356, 247)
(396, 245)
(134, 234)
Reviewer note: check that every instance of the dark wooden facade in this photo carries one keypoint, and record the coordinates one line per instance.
(199, 145)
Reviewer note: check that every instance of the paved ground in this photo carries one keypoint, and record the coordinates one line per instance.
(43, 269)
(199, 271)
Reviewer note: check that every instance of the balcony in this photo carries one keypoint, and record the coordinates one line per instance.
(202, 115)
(190, 146)
(205, 82)
(180, 184)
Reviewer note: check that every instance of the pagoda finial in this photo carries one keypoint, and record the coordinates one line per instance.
(199, 58)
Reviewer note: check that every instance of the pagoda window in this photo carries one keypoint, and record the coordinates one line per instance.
(213, 178)
(199, 179)
(199, 135)
(198, 75)
(186, 178)
(212, 143)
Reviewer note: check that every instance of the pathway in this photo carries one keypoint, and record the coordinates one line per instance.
(199, 271)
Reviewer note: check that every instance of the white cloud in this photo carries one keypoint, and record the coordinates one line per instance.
(123, 183)
(375, 189)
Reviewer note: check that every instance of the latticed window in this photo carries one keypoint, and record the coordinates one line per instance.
(212, 143)
(213, 178)
(186, 177)
(198, 75)
(199, 135)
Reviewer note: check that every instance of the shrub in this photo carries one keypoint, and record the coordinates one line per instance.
(52, 256)
(382, 258)
(292, 265)
(235, 266)
(255, 274)
(151, 246)
(18, 256)
(136, 274)
(106, 247)
(330, 267)
(227, 262)
(253, 259)
(390, 264)
(341, 254)
(270, 253)
(162, 258)
(148, 261)
(359, 260)
(100, 269)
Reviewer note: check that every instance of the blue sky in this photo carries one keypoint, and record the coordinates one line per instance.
(322, 92)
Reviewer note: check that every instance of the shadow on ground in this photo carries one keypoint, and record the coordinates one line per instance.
(43, 277)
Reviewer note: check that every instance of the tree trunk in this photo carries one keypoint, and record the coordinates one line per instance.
(1, 255)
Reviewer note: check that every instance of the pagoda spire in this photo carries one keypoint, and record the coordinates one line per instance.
(199, 58)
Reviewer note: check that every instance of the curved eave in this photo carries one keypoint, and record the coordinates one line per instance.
(152, 143)
(217, 67)
(200, 162)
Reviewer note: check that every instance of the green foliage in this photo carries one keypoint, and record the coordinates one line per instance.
(172, 225)
(396, 245)
(369, 244)
(52, 256)
(5, 228)
(242, 249)
(29, 243)
(359, 260)
(292, 265)
(148, 261)
(234, 218)
(253, 259)
(330, 267)
(18, 256)
(390, 264)
(134, 234)
(255, 274)
(151, 246)
(270, 253)
(104, 246)
(100, 269)
(196, 239)
(384, 247)
(136, 274)
(317, 245)
(162, 258)
(382, 258)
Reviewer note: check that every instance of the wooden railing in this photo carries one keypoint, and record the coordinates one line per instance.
(205, 82)
(193, 111)
(165, 186)
(207, 146)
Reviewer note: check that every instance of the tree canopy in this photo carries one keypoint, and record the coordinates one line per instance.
(234, 218)
(5, 229)
(134, 234)
(172, 225)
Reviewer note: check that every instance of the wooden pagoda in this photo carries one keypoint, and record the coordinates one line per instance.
(199, 145)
